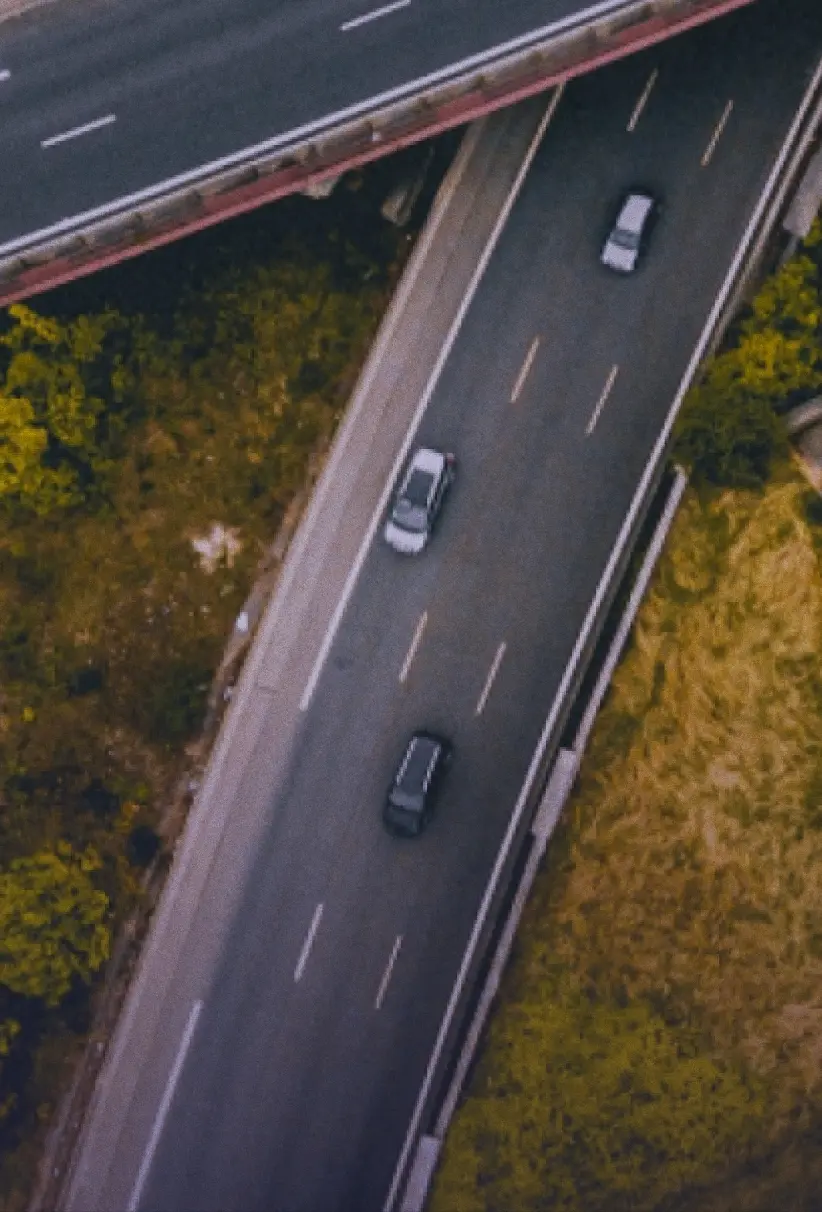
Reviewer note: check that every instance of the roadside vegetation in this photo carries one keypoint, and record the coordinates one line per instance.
(155, 425)
(656, 1045)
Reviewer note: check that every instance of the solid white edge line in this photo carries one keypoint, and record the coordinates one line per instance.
(375, 13)
(77, 131)
(415, 641)
(300, 132)
(526, 366)
(392, 959)
(309, 943)
(716, 136)
(642, 102)
(606, 391)
(489, 681)
(433, 378)
(587, 626)
(163, 1109)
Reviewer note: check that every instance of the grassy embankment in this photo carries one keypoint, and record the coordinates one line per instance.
(234, 353)
(657, 1040)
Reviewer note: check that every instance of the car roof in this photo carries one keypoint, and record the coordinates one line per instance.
(426, 459)
(634, 210)
(421, 748)
(419, 487)
(417, 759)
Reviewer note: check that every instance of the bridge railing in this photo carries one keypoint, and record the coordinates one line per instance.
(239, 183)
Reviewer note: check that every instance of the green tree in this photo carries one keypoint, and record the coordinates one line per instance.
(53, 923)
(771, 364)
(788, 300)
(55, 422)
(24, 476)
(582, 1107)
(728, 432)
(728, 435)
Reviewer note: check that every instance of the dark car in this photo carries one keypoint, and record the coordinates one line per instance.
(413, 789)
(419, 499)
(631, 229)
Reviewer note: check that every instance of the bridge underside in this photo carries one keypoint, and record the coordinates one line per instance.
(101, 239)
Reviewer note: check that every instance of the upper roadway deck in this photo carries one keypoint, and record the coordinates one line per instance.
(132, 124)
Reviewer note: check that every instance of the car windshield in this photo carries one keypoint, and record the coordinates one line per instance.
(404, 803)
(418, 488)
(403, 820)
(409, 517)
(626, 239)
(411, 509)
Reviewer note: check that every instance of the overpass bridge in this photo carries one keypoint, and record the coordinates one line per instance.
(400, 81)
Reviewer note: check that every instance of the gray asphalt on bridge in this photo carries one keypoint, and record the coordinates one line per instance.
(134, 125)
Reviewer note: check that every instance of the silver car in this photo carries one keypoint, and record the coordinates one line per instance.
(418, 500)
(628, 236)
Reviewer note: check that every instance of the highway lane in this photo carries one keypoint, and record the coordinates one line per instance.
(295, 1094)
(191, 82)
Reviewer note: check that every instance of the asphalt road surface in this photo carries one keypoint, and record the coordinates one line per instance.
(104, 98)
(306, 1060)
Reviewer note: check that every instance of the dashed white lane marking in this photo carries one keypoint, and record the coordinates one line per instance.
(716, 136)
(489, 681)
(415, 643)
(5, 74)
(643, 101)
(433, 379)
(75, 133)
(163, 1109)
(606, 391)
(375, 13)
(309, 942)
(389, 968)
(526, 366)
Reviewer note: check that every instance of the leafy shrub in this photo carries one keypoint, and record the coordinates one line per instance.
(728, 433)
(591, 1106)
(175, 701)
(53, 923)
(729, 442)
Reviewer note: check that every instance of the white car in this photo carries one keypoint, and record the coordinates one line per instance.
(628, 236)
(418, 500)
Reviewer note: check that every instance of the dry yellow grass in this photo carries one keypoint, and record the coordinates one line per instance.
(696, 855)
(686, 876)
